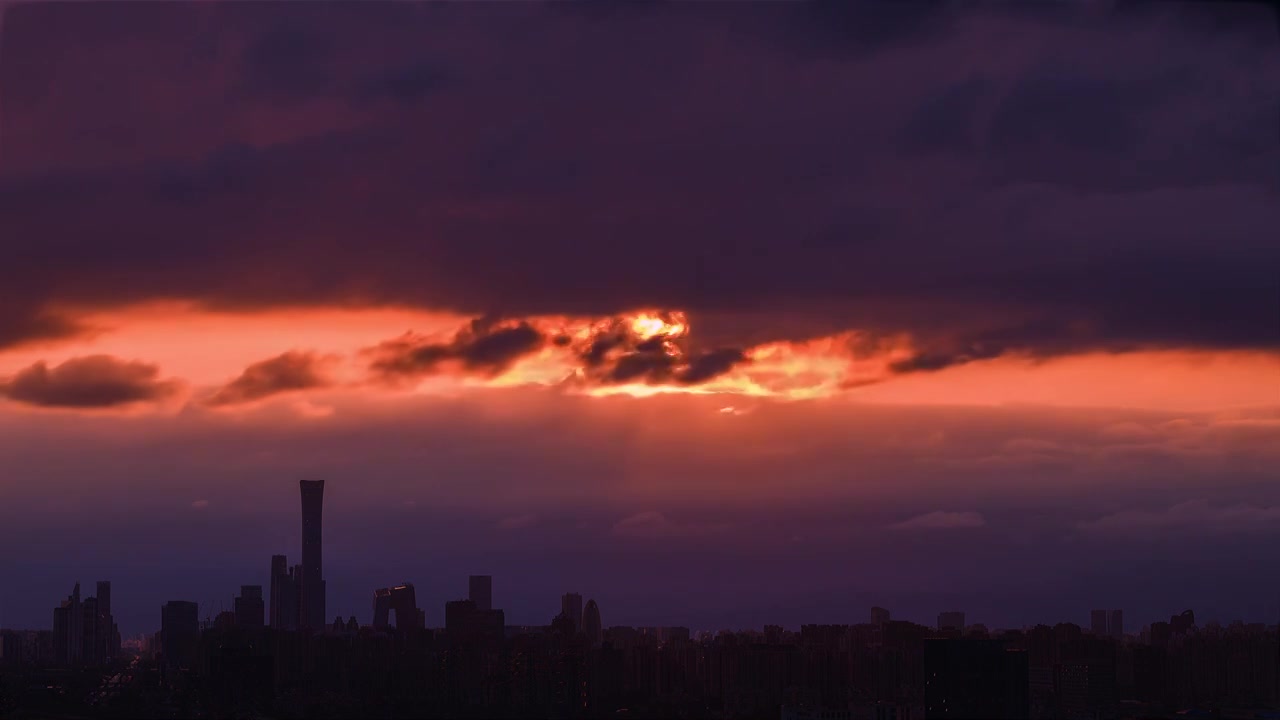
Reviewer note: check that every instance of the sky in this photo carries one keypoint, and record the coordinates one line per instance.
(717, 313)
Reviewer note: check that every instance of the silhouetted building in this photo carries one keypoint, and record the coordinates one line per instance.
(108, 634)
(1159, 634)
(92, 649)
(467, 626)
(1182, 623)
(84, 631)
(480, 591)
(975, 679)
(225, 620)
(1116, 627)
(249, 607)
(1098, 622)
(312, 594)
(68, 630)
(879, 616)
(179, 633)
(1086, 688)
(104, 597)
(402, 600)
(456, 614)
(571, 608)
(284, 595)
(953, 620)
(12, 648)
(591, 626)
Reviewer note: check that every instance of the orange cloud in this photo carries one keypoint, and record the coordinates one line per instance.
(96, 381)
(285, 373)
(640, 354)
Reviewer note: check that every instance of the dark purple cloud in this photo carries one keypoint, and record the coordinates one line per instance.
(22, 322)
(484, 347)
(289, 372)
(95, 381)
(611, 353)
(872, 166)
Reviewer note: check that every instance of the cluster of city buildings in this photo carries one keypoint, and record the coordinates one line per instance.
(275, 653)
(297, 602)
(84, 634)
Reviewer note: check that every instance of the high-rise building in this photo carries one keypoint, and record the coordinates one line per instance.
(467, 626)
(879, 616)
(68, 630)
(1098, 622)
(591, 626)
(1116, 627)
(571, 608)
(104, 597)
(480, 591)
(92, 648)
(107, 639)
(456, 615)
(1182, 622)
(973, 679)
(1086, 688)
(297, 595)
(249, 607)
(312, 585)
(403, 601)
(284, 595)
(179, 633)
(84, 631)
(952, 620)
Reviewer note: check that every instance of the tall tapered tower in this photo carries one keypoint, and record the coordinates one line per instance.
(312, 581)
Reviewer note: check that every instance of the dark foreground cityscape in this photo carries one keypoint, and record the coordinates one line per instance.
(275, 655)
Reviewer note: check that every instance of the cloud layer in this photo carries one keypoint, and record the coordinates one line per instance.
(942, 520)
(1104, 184)
(93, 382)
(289, 372)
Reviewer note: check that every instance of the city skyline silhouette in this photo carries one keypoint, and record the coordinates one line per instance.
(294, 618)
(817, 359)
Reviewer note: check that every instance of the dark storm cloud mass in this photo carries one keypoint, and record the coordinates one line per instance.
(21, 323)
(288, 372)
(615, 352)
(96, 381)
(484, 347)
(611, 352)
(871, 166)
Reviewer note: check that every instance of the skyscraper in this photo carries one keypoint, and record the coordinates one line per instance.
(1098, 622)
(879, 616)
(68, 630)
(481, 591)
(179, 633)
(312, 585)
(108, 638)
(92, 650)
(591, 626)
(248, 606)
(403, 601)
(1116, 628)
(284, 595)
(104, 597)
(571, 607)
(953, 620)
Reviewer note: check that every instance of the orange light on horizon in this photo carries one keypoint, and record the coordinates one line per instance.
(206, 349)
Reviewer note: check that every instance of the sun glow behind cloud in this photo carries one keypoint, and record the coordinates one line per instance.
(206, 350)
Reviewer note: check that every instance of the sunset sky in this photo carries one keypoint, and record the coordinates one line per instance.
(718, 313)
